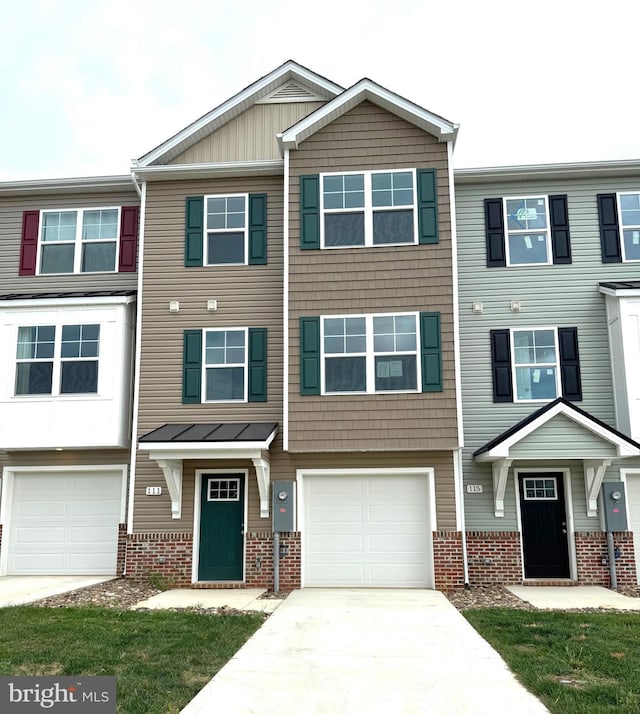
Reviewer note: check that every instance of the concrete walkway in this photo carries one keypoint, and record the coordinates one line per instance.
(23, 589)
(365, 651)
(574, 597)
(245, 599)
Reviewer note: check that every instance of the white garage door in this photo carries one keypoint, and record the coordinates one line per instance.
(633, 507)
(368, 530)
(64, 523)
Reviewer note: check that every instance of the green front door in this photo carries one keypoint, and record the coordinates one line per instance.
(221, 527)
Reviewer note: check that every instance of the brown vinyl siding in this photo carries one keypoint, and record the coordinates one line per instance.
(70, 457)
(11, 209)
(250, 136)
(369, 280)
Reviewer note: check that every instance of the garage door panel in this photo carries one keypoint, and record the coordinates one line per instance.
(347, 574)
(335, 513)
(64, 523)
(335, 544)
(633, 504)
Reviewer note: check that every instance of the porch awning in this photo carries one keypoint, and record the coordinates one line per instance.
(171, 444)
(559, 430)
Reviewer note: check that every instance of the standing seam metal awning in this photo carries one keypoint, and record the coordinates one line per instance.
(171, 444)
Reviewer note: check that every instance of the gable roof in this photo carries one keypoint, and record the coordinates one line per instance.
(498, 448)
(367, 90)
(290, 77)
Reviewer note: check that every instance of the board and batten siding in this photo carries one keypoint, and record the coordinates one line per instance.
(249, 137)
(247, 295)
(550, 296)
(370, 280)
(11, 209)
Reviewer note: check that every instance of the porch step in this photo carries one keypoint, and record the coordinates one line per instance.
(567, 582)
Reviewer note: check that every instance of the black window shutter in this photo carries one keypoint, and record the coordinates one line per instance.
(309, 355)
(257, 229)
(194, 231)
(570, 363)
(258, 364)
(609, 230)
(501, 366)
(431, 349)
(494, 233)
(192, 367)
(560, 241)
(310, 212)
(427, 206)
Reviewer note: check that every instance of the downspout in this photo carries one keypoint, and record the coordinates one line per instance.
(457, 456)
(285, 308)
(138, 352)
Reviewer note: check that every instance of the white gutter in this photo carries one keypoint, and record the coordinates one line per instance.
(137, 359)
(66, 185)
(171, 172)
(583, 169)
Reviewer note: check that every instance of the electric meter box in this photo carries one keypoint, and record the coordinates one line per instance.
(283, 504)
(615, 506)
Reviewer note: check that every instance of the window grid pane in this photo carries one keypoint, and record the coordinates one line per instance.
(100, 224)
(527, 230)
(224, 347)
(223, 490)
(343, 191)
(225, 212)
(630, 219)
(392, 189)
(540, 489)
(536, 364)
(59, 226)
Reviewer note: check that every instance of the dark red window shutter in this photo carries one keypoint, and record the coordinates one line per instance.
(29, 244)
(128, 239)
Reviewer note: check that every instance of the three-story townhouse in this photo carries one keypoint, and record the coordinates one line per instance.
(67, 309)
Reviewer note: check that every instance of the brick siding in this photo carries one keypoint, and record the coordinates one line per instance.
(494, 558)
(593, 560)
(448, 562)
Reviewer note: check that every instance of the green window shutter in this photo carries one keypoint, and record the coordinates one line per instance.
(310, 212)
(194, 231)
(258, 364)
(192, 367)
(257, 229)
(427, 206)
(309, 355)
(431, 350)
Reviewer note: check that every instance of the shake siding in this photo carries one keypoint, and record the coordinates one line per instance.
(248, 296)
(249, 137)
(554, 296)
(368, 280)
(11, 208)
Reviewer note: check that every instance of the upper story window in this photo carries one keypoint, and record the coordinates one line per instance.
(527, 230)
(81, 241)
(528, 236)
(368, 208)
(57, 360)
(630, 219)
(371, 208)
(226, 229)
(225, 365)
(535, 360)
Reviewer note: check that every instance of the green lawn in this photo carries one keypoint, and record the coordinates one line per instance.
(576, 663)
(161, 659)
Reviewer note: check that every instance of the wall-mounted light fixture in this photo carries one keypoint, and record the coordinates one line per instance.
(477, 306)
(212, 305)
(174, 306)
(516, 306)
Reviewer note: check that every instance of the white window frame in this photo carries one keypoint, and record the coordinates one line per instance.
(207, 231)
(78, 241)
(244, 365)
(227, 499)
(523, 231)
(368, 209)
(555, 364)
(622, 227)
(57, 359)
(370, 355)
(540, 478)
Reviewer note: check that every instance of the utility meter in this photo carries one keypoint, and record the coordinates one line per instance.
(615, 506)
(283, 505)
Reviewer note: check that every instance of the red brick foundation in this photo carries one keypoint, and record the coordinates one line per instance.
(122, 548)
(494, 558)
(447, 560)
(259, 563)
(593, 561)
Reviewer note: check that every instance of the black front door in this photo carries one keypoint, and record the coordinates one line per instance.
(544, 525)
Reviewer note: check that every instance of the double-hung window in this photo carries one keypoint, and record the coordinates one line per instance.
(79, 241)
(57, 360)
(368, 208)
(370, 353)
(528, 236)
(630, 220)
(226, 223)
(225, 359)
(535, 364)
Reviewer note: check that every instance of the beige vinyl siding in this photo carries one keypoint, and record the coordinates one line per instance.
(250, 136)
(248, 296)
(70, 457)
(11, 209)
(551, 296)
(369, 280)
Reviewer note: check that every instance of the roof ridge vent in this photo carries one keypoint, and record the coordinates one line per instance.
(290, 91)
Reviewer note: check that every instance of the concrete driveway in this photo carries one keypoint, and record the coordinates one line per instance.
(23, 589)
(405, 651)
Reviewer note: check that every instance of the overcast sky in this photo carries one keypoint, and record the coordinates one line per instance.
(88, 85)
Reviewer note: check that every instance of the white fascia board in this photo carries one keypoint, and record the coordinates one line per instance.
(245, 98)
(267, 167)
(363, 90)
(620, 293)
(584, 169)
(168, 451)
(6, 305)
(66, 185)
